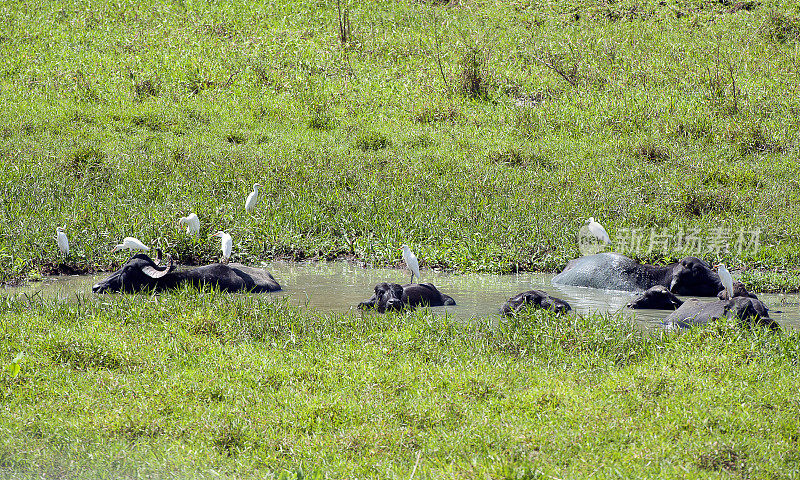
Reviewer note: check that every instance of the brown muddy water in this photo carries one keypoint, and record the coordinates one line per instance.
(340, 286)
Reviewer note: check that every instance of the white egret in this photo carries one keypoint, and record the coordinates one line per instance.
(597, 230)
(226, 242)
(192, 224)
(131, 243)
(252, 199)
(727, 279)
(411, 262)
(61, 239)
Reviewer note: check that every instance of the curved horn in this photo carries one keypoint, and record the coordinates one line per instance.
(155, 273)
(159, 255)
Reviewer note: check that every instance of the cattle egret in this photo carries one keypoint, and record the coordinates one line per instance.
(131, 243)
(727, 280)
(226, 243)
(63, 243)
(252, 199)
(411, 262)
(598, 231)
(192, 224)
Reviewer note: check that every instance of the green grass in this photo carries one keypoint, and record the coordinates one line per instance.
(204, 385)
(482, 134)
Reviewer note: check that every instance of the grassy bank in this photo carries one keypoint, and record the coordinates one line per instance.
(480, 133)
(202, 385)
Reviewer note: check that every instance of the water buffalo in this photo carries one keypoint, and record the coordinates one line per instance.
(748, 311)
(658, 298)
(534, 299)
(394, 297)
(142, 273)
(612, 271)
(738, 291)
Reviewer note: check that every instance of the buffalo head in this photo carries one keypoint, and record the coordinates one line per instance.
(657, 297)
(387, 297)
(692, 276)
(138, 273)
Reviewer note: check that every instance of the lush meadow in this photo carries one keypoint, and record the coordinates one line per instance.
(480, 133)
(201, 385)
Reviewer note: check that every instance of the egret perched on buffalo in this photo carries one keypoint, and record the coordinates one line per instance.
(252, 199)
(61, 239)
(130, 243)
(411, 262)
(727, 279)
(226, 243)
(597, 230)
(192, 224)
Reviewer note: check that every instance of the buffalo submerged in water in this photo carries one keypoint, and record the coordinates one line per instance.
(142, 273)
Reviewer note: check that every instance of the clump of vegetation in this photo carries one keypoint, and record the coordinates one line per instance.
(474, 73)
(320, 116)
(698, 202)
(84, 160)
(518, 158)
(781, 28)
(437, 112)
(83, 355)
(150, 121)
(196, 82)
(236, 138)
(85, 89)
(652, 152)
(724, 458)
(753, 139)
(371, 140)
(230, 438)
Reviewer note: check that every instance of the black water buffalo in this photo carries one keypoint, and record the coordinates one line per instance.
(748, 311)
(534, 299)
(394, 297)
(738, 291)
(612, 271)
(142, 273)
(658, 298)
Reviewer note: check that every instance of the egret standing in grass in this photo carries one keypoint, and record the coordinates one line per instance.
(252, 199)
(131, 243)
(411, 262)
(597, 230)
(63, 243)
(226, 242)
(192, 224)
(727, 279)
